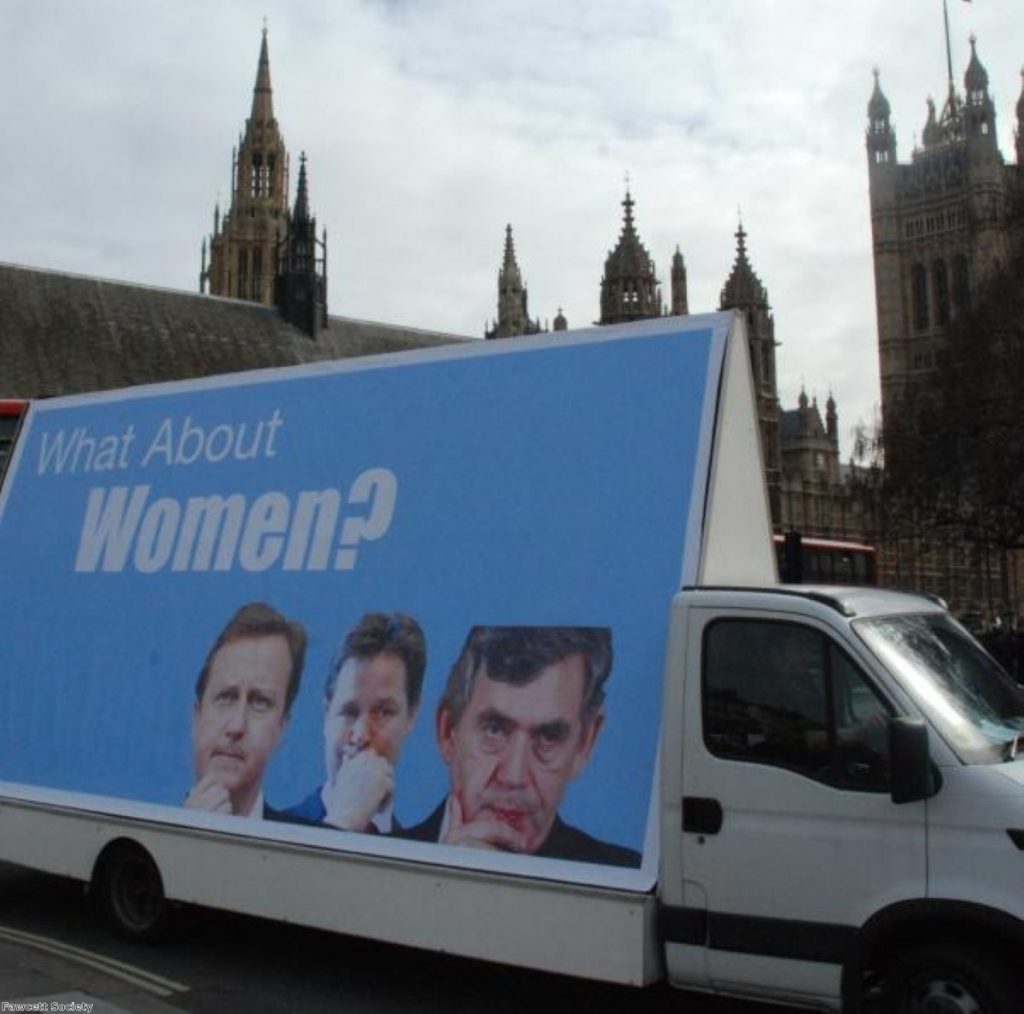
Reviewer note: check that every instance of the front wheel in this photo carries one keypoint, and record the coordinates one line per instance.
(944, 978)
(131, 893)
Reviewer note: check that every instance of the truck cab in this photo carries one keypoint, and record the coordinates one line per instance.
(843, 803)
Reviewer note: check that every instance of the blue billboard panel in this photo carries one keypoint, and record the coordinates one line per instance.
(386, 605)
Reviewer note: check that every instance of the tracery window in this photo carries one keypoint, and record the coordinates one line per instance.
(940, 280)
(920, 296)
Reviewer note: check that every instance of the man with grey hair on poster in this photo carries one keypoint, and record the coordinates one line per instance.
(518, 721)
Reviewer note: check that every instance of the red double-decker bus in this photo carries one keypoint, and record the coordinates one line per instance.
(11, 411)
(809, 560)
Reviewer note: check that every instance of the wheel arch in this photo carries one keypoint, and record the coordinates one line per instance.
(127, 887)
(116, 845)
(908, 924)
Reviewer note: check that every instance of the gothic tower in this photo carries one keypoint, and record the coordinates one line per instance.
(743, 291)
(629, 288)
(300, 283)
(243, 247)
(513, 315)
(939, 225)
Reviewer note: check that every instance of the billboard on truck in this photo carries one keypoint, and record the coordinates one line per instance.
(409, 605)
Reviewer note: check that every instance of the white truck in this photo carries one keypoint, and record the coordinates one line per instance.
(802, 795)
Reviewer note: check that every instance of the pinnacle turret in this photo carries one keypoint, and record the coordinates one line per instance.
(680, 299)
(878, 104)
(629, 288)
(932, 133)
(975, 77)
(301, 212)
(513, 313)
(743, 289)
(880, 140)
(300, 284)
(979, 109)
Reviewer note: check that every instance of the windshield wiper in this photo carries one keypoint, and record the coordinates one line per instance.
(1013, 747)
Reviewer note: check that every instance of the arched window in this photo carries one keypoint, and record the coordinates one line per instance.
(920, 294)
(257, 271)
(961, 285)
(243, 274)
(256, 177)
(940, 281)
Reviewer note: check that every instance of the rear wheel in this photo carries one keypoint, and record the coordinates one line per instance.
(946, 979)
(131, 892)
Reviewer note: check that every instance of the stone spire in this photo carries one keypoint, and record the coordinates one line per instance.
(832, 420)
(743, 291)
(932, 133)
(244, 245)
(300, 214)
(262, 94)
(300, 284)
(513, 314)
(629, 288)
(680, 301)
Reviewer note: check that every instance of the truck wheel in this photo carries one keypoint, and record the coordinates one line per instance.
(131, 893)
(946, 979)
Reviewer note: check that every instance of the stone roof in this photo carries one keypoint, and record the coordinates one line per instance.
(801, 423)
(64, 334)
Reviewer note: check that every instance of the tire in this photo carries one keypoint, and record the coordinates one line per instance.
(130, 891)
(944, 978)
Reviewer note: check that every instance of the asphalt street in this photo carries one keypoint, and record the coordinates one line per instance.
(55, 955)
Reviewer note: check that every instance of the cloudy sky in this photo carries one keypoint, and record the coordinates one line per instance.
(430, 124)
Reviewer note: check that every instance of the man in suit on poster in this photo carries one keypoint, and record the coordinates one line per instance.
(371, 701)
(244, 694)
(518, 721)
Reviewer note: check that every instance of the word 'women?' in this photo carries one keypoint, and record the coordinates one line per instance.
(126, 528)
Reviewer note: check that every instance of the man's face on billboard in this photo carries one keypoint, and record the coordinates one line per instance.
(516, 748)
(238, 723)
(368, 710)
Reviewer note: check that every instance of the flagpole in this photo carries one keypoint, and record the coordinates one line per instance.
(949, 51)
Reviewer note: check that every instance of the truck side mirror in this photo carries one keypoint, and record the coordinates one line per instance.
(910, 761)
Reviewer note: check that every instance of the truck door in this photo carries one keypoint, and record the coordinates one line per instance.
(788, 830)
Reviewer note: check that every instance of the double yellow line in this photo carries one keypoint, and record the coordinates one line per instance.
(155, 984)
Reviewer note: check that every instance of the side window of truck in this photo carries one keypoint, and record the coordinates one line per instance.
(786, 695)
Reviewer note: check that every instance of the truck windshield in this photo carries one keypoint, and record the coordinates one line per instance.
(969, 699)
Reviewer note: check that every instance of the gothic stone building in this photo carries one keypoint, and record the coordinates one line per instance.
(940, 228)
(807, 491)
(263, 302)
(263, 252)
